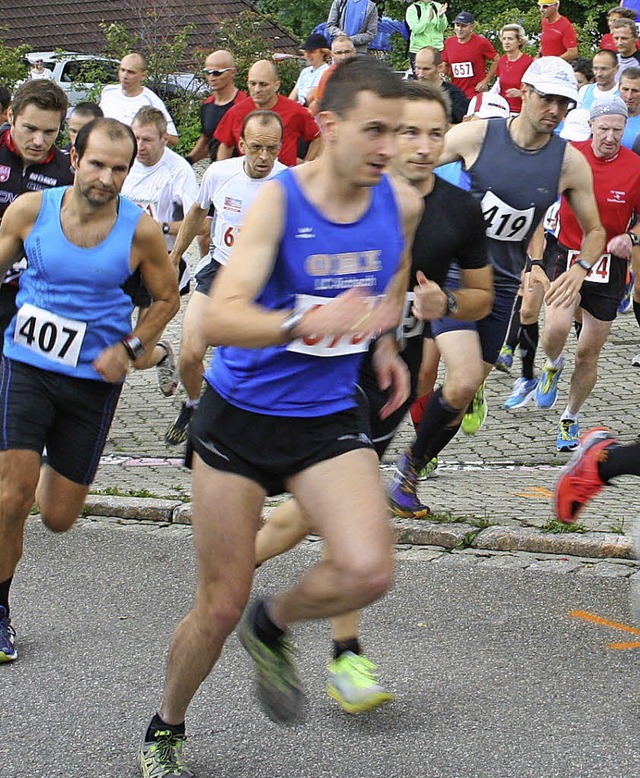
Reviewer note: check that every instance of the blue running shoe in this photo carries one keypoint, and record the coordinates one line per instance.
(568, 437)
(403, 499)
(547, 389)
(504, 362)
(626, 304)
(523, 391)
(7, 638)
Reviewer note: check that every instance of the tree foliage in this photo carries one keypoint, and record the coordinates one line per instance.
(13, 65)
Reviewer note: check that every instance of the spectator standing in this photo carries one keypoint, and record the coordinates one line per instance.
(356, 18)
(607, 41)
(466, 55)
(558, 37)
(427, 22)
(428, 70)
(511, 66)
(316, 53)
(298, 123)
(625, 35)
(122, 101)
(39, 71)
(219, 70)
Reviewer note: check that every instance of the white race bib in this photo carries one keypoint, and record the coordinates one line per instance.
(599, 273)
(325, 345)
(502, 222)
(462, 69)
(49, 335)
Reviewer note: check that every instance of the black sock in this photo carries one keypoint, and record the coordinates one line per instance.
(158, 725)
(438, 415)
(636, 311)
(513, 336)
(265, 629)
(528, 347)
(341, 646)
(620, 460)
(4, 593)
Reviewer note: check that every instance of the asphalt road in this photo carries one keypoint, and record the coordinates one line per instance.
(492, 676)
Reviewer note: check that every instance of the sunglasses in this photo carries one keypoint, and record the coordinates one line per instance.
(212, 72)
(562, 102)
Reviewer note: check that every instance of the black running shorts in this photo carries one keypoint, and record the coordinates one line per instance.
(70, 416)
(269, 449)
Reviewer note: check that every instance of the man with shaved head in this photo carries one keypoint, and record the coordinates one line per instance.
(263, 82)
(219, 70)
(123, 100)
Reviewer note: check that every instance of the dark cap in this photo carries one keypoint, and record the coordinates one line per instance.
(464, 17)
(315, 41)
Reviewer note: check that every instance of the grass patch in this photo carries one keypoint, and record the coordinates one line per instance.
(467, 541)
(559, 527)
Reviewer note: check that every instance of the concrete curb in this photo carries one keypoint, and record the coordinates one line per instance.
(601, 545)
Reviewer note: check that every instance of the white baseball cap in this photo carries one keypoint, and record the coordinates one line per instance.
(488, 105)
(576, 125)
(552, 76)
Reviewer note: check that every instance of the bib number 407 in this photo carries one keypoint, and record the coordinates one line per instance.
(49, 335)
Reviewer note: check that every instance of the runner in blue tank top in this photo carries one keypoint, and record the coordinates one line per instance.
(305, 288)
(535, 166)
(69, 346)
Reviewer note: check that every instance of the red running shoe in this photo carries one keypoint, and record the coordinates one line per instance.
(580, 480)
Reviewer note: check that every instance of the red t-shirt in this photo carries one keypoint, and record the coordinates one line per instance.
(468, 61)
(557, 37)
(616, 183)
(607, 42)
(296, 120)
(510, 75)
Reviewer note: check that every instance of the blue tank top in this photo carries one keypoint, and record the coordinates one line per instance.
(514, 195)
(317, 259)
(70, 304)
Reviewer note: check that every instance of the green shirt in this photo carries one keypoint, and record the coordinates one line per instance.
(427, 27)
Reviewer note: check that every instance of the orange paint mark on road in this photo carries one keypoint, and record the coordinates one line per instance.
(535, 493)
(621, 646)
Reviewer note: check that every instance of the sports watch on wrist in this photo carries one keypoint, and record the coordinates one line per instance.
(583, 264)
(635, 240)
(452, 303)
(165, 228)
(291, 322)
(133, 346)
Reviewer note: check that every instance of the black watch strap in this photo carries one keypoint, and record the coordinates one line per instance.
(635, 240)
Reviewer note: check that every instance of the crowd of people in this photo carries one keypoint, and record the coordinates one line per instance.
(331, 290)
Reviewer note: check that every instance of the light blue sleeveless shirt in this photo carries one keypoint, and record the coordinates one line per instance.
(70, 304)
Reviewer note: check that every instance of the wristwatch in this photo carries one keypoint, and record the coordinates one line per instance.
(291, 322)
(635, 240)
(133, 346)
(452, 303)
(165, 228)
(583, 264)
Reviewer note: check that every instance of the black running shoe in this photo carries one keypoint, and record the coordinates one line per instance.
(177, 431)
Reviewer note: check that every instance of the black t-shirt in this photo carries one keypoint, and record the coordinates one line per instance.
(210, 115)
(452, 229)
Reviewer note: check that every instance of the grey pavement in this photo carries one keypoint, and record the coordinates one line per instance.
(496, 485)
(492, 674)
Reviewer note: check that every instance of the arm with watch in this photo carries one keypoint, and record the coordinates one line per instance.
(472, 301)
(149, 255)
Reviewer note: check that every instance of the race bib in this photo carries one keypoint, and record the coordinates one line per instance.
(325, 345)
(599, 273)
(502, 222)
(49, 335)
(462, 69)
(410, 326)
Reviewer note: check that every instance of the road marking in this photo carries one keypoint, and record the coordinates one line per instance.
(608, 623)
(535, 493)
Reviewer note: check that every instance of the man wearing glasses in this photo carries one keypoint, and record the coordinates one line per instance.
(219, 70)
(535, 166)
(558, 37)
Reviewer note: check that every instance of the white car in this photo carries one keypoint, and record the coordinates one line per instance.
(70, 69)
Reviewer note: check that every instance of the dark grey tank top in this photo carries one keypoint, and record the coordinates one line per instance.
(515, 187)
